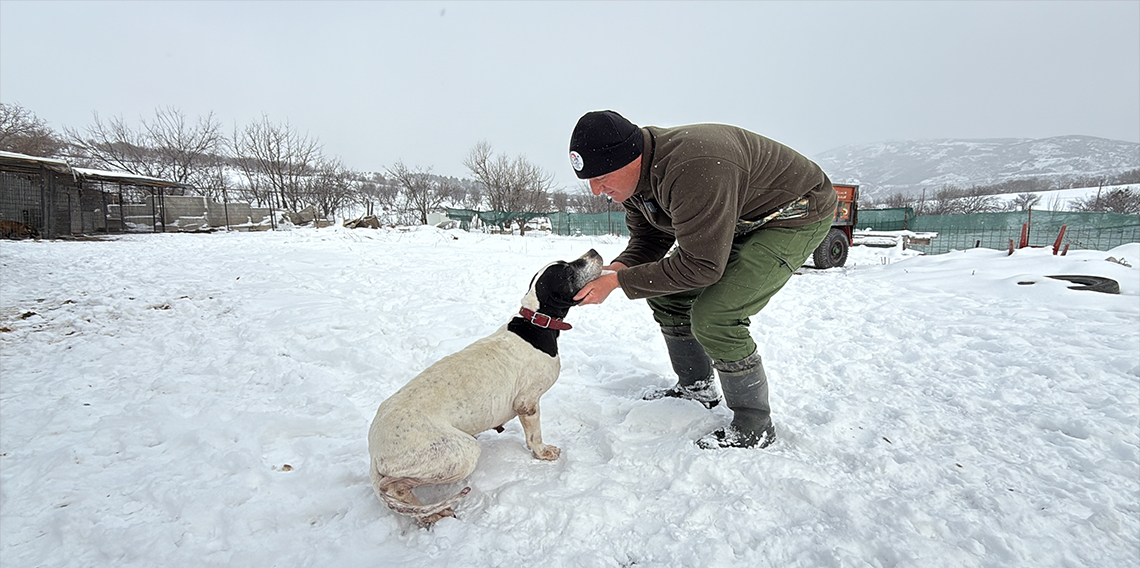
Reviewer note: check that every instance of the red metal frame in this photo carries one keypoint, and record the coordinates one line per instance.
(847, 209)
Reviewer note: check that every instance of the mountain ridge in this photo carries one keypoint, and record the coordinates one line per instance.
(911, 166)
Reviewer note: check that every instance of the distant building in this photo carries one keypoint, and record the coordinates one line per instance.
(50, 198)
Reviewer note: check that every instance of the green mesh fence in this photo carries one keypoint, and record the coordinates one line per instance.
(464, 216)
(561, 223)
(1091, 231)
(897, 219)
(609, 223)
(505, 218)
(500, 219)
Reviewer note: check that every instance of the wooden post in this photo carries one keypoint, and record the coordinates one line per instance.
(1057, 243)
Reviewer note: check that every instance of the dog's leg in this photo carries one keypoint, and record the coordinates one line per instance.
(528, 417)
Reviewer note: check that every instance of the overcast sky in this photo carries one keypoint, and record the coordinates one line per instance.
(422, 82)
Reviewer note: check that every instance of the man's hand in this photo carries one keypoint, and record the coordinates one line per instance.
(596, 291)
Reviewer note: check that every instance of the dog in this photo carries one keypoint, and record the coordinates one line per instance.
(17, 230)
(424, 434)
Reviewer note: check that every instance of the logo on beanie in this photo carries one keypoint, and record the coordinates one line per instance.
(576, 161)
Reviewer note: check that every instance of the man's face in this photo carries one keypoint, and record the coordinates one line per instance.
(618, 185)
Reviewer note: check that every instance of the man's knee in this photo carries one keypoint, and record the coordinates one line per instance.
(670, 311)
(724, 339)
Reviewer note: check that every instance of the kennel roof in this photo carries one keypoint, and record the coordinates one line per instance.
(30, 164)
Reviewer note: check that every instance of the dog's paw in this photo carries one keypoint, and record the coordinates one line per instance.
(427, 522)
(547, 453)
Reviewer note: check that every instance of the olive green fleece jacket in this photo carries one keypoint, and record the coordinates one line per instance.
(696, 182)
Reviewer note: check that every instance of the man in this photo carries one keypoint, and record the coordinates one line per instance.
(744, 212)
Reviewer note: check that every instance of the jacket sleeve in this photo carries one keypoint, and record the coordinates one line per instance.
(646, 242)
(703, 200)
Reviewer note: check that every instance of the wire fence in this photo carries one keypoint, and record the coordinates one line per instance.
(1091, 231)
(1078, 238)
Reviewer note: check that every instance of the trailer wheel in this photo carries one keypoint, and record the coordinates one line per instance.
(832, 252)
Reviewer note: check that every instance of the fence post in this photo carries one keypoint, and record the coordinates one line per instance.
(1028, 228)
(153, 211)
(226, 207)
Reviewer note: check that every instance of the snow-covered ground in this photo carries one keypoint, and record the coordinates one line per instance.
(1066, 199)
(203, 400)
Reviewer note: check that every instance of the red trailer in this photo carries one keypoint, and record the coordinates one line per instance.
(832, 252)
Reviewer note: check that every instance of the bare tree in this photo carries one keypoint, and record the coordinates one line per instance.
(423, 192)
(188, 153)
(472, 194)
(331, 187)
(377, 194)
(167, 147)
(584, 201)
(115, 145)
(899, 200)
(452, 190)
(212, 179)
(945, 201)
(976, 200)
(1122, 200)
(1024, 201)
(560, 200)
(256, 190)
(23, 132)
(511, 185)
(277, 161)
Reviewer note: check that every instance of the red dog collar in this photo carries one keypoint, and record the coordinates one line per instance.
(543, 320)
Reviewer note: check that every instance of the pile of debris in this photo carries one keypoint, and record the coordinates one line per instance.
(366, 222)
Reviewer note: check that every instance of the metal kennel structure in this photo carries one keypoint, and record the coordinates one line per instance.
(55, 199)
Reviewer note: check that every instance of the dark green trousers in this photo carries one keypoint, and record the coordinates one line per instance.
(760, 263)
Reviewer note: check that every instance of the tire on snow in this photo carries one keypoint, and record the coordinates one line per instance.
(1090, 283)
(832, 252)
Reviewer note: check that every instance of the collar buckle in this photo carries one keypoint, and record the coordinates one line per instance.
(543, 320)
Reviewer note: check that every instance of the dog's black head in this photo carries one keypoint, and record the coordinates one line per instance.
(553, 288)
(551, 294)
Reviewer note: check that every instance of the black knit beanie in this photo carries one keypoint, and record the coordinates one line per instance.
(602, 142)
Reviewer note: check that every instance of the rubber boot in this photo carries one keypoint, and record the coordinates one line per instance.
(745, 389)
(694, 368)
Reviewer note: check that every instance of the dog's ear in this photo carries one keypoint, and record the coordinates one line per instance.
(531, 300)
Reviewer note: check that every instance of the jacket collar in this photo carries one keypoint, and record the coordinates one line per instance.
(644, 188)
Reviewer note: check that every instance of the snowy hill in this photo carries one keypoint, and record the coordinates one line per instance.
(911, 166)
(204, 400)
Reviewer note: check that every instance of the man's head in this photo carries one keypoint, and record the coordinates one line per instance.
(605, 149)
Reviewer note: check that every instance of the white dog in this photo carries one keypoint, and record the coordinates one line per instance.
(424, 434)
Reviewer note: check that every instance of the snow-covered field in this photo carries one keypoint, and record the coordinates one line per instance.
(1066, 199)
(203, 400)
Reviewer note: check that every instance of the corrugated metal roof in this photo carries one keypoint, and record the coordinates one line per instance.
(14, 158)
(23, 162)
(123, 177)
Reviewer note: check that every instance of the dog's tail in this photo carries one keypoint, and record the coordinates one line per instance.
(421, 512)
